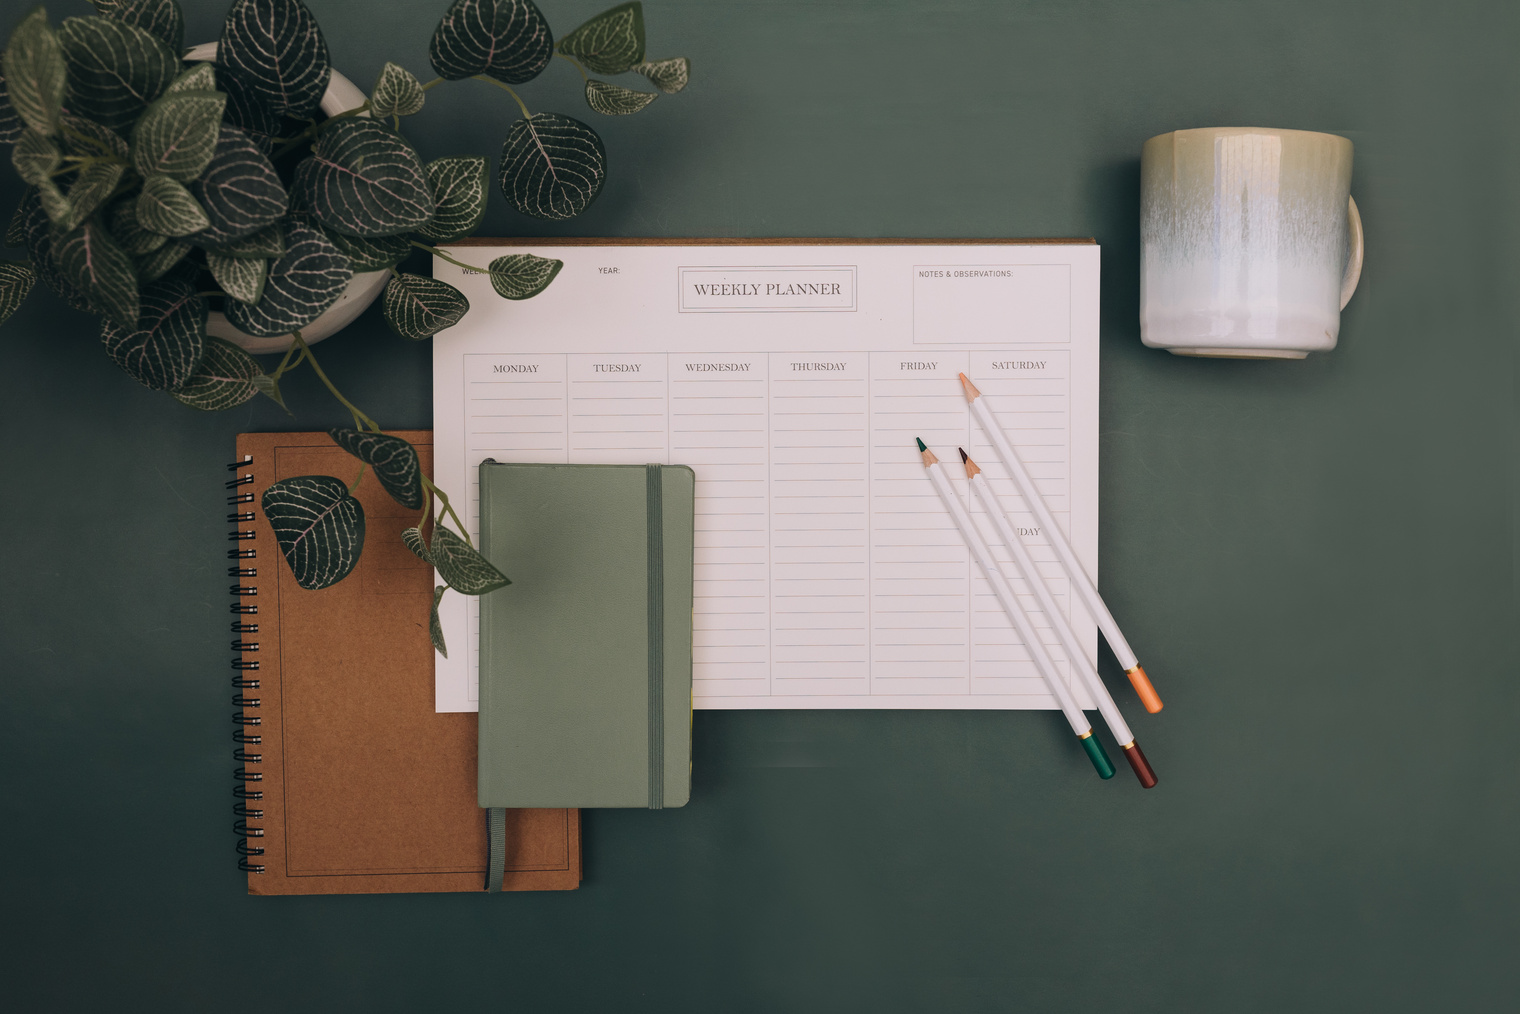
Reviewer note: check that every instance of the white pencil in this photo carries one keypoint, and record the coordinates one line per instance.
(1005, 597)
(1086, 590)
(1024, 566)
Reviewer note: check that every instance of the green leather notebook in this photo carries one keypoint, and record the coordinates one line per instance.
(585, 658)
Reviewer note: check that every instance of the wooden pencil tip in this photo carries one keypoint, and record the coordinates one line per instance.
(971, 392)
(921, 444)
(964, 457)
(971, 467)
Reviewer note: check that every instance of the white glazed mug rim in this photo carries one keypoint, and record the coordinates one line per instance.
(1242, 131)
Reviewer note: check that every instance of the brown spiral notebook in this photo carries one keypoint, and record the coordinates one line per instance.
(348, 781)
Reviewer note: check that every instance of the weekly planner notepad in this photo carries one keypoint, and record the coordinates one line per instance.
(792, 377)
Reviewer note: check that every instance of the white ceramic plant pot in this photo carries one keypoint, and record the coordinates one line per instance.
(363, 289)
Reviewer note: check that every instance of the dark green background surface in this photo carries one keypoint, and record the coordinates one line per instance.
(1315, 561)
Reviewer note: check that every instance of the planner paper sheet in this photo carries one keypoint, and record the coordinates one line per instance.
(793, 379)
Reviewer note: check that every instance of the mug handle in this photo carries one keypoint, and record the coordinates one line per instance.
(1354, 257)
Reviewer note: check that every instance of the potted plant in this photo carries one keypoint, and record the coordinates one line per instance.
(166, 186)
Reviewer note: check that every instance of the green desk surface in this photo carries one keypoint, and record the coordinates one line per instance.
(1315, 560)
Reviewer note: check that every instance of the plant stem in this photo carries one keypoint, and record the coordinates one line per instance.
(85, 139)
(444, 499)
(574, 63)
(505, 88)
(432, 84)
(317, 128)
(362, 466)
(280, 370)
(361, 420)
(439, 253)
(427, 509)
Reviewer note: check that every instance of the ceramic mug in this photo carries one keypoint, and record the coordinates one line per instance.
(1250, 243)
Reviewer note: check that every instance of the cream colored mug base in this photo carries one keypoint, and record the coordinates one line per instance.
(1241, 353)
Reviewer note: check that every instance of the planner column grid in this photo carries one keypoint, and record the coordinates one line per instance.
(819, 453)
(719, 425)
(1029, 394)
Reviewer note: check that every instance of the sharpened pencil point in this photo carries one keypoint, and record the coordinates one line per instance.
(921, 444)
(971, 392)
(964, 455)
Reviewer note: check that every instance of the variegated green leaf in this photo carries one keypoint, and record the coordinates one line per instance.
(265, 244)
(365, 181)
(242, 278)
(505, 39)
(669, 76)
(128, 232)
(176, 137)
(397, 93)
(158, 263)
(459, 190)
(54, 202)
(393, 459)
(37, 232)
(318, 526)
(11, 125)
(36, 75)
(224, 378)
(611, 42)
(277, 49)
(115, 69)
(307, 278)
(269, 387)
(461, 566)
(95, 182)
(246, 109)
(435, 626)
(200, 78)
(160, 17)
(240, 190)
(164, 348)
(371, 254)
(15, 230)
(35, 157)
(412, 539)
(614, 100)
(521, 276)
(100, 271)
(165, 206)
(417, 307)
(15, 282)
(552, 166)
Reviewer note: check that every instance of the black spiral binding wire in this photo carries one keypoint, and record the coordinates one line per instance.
(241, 501)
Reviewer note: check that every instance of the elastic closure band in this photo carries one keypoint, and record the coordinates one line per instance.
(654, 503)
(496, 862)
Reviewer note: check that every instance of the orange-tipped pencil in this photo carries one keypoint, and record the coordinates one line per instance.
(1023, 565)
(1086, 589)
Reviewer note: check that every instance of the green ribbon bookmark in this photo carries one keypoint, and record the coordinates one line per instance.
(496, 862)
(654, 480)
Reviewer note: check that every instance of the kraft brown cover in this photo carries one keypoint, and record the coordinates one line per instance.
(366, 788)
